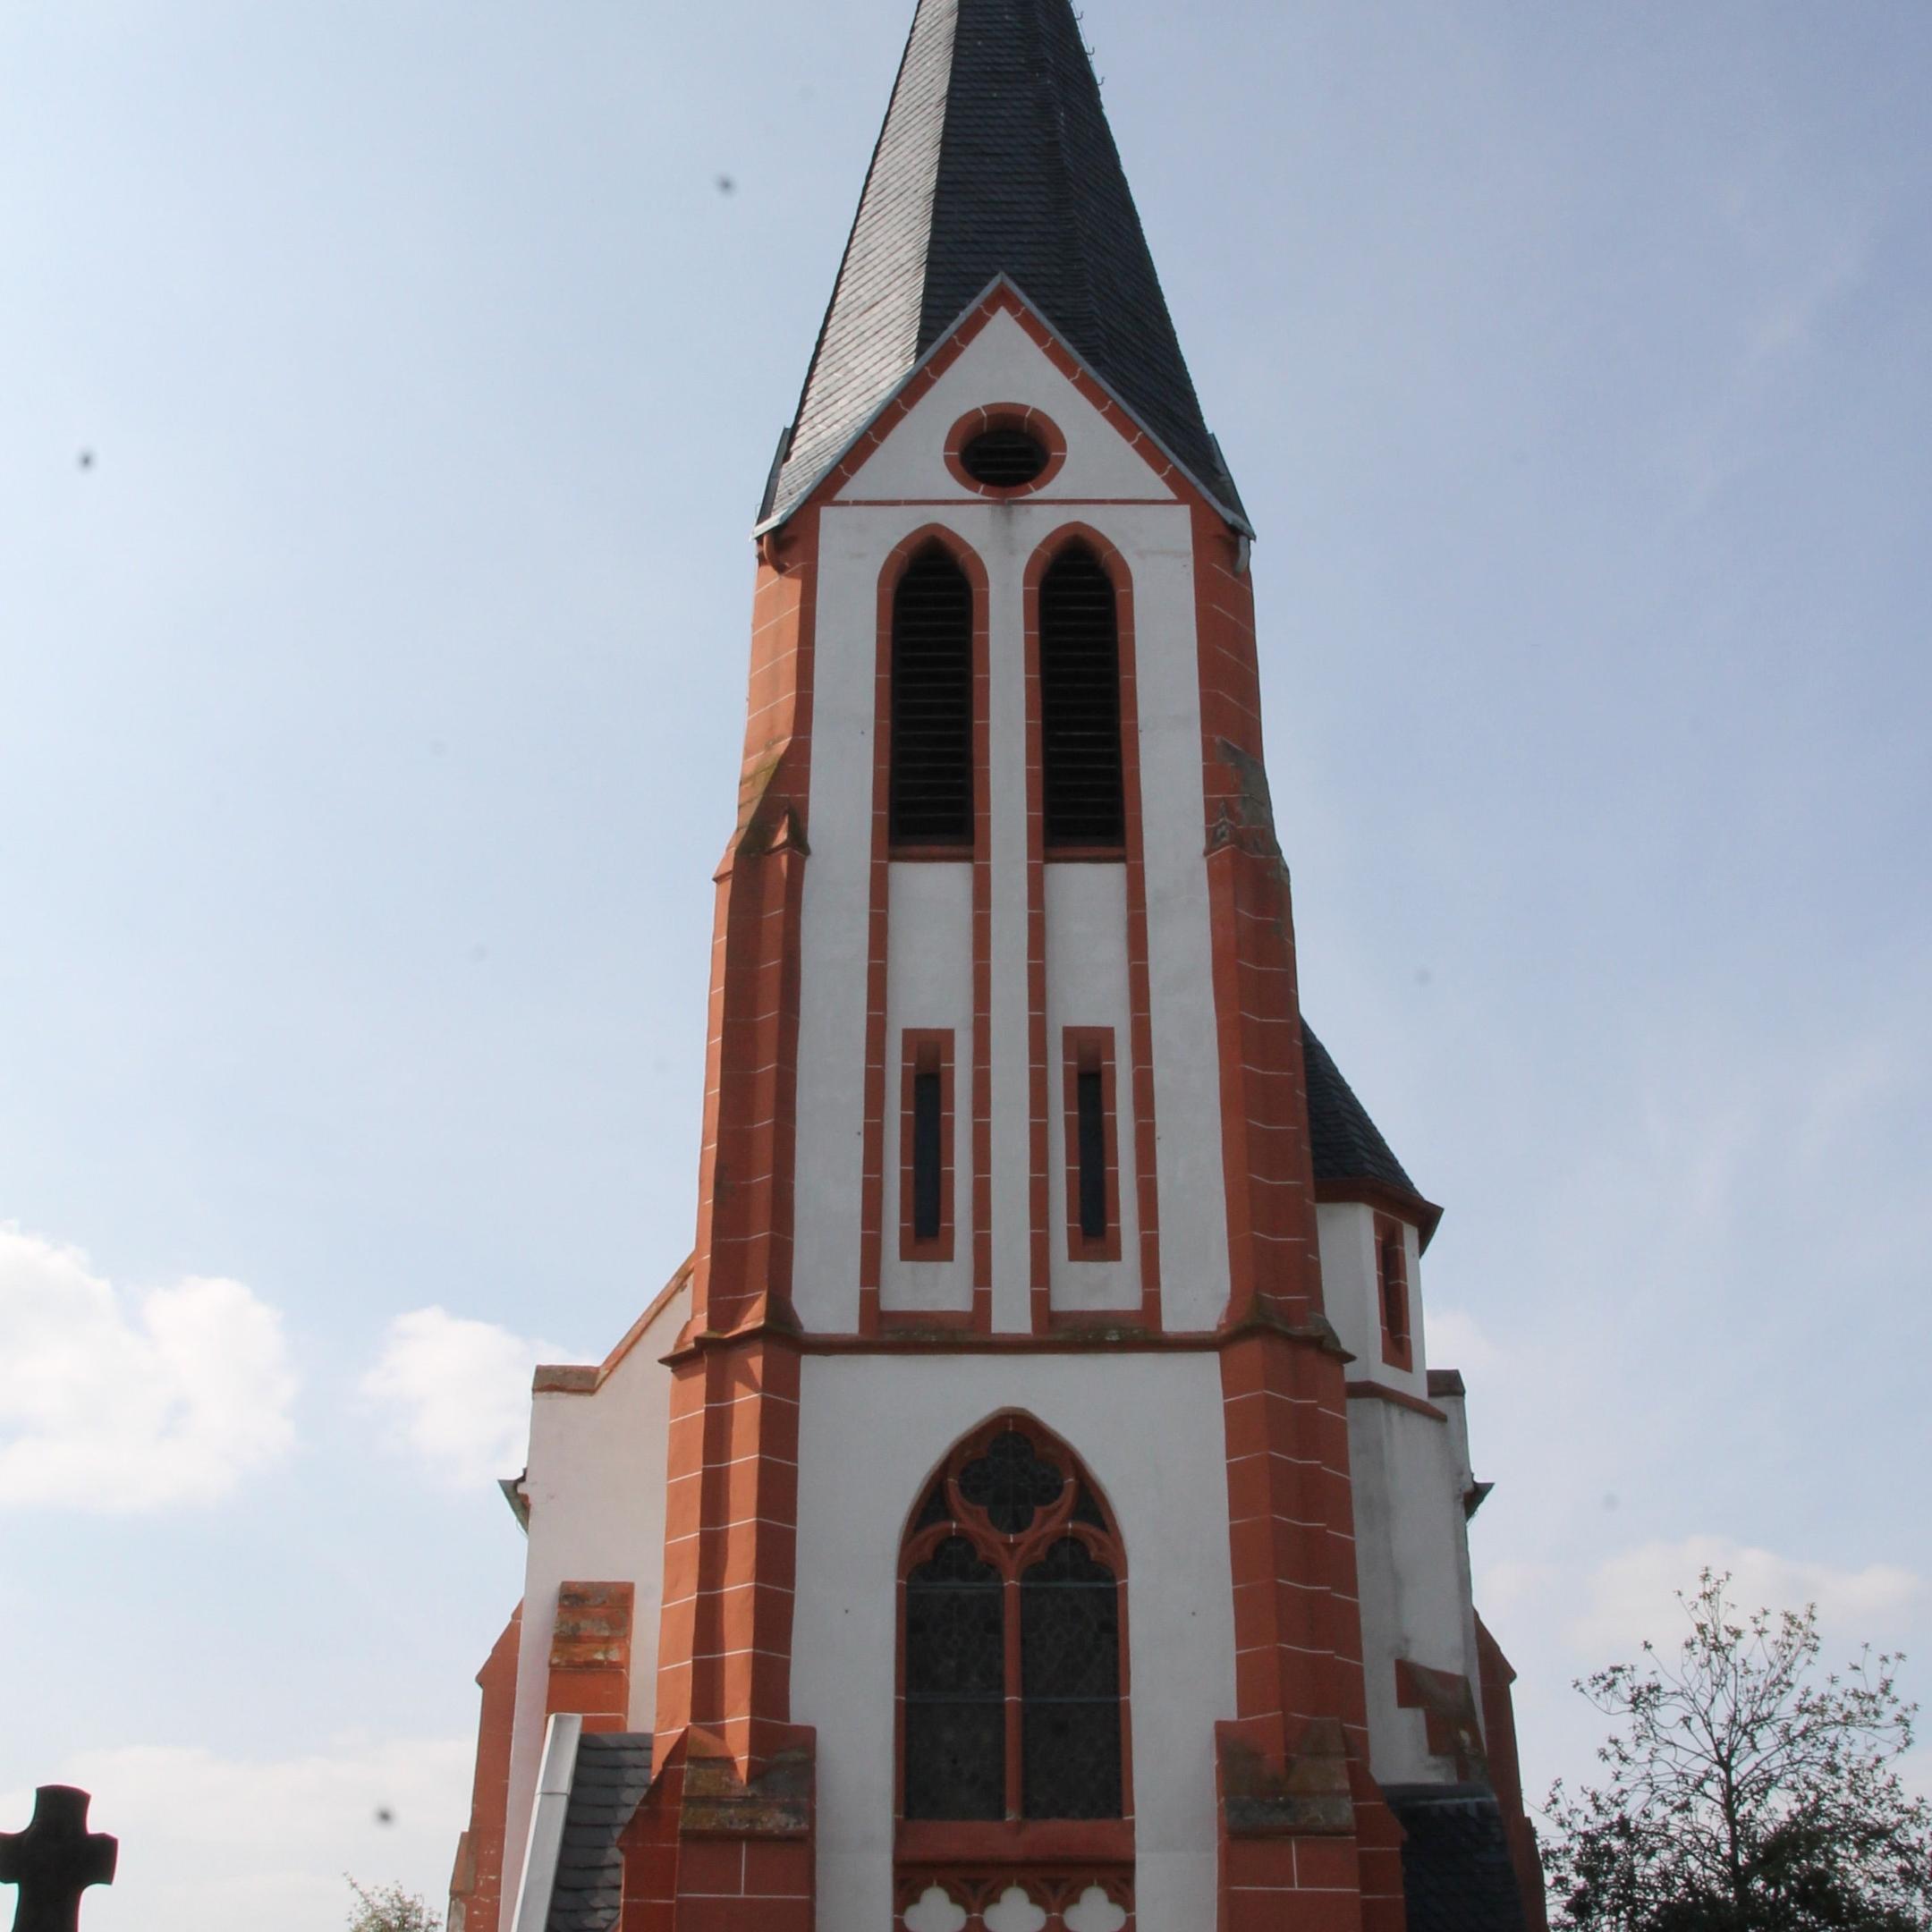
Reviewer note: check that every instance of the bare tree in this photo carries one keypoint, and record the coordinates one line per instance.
(1747, 1792)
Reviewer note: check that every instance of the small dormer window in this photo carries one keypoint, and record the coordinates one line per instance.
(1004, 458)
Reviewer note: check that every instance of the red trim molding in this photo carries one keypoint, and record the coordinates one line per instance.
(872, 1164)
(1399, 1398)
(1139, 994)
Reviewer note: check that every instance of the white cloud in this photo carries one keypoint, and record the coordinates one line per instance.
(1630, 1597)
(1456, 1340)
(116, 1403)
(220, 1844)
(458, 1392)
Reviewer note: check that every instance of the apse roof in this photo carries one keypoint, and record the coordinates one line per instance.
(995, 159)
(1344, 1143)
(612, 1774)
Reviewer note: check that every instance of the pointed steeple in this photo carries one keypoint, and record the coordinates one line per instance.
(995, 158)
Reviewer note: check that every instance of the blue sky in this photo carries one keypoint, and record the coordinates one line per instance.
(368, 716)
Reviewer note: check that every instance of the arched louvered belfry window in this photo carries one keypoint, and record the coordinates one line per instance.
(1015, 1584)
(932, 739)
(1079, 702)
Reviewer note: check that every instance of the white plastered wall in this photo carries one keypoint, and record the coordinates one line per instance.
(1409, 1472)
(872, 1429)
(928, 984)
(1087, 987)
(596, 1485)
(902, 487)
(1351, 1295)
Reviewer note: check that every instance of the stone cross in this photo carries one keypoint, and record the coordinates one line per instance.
(55, 1860)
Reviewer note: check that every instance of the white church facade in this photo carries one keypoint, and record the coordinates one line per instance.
(1032, 1506)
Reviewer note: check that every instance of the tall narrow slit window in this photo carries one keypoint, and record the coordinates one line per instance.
(931, 794)
(1080, 703)
(1090, 1134)
(926, 1146)
(1392, 1284)
(926, 1172)
(1093, 1181)
(1014, 1590)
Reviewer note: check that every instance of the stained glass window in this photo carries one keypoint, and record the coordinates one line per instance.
(955, 1680)
(1070, 1686)
(1012, 1641)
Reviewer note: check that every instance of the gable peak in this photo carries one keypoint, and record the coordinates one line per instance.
(994, 162)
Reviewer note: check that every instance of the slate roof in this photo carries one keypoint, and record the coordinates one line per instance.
(1456, 1870)
(1345, 1143)
(613, 1773)
(995, 158)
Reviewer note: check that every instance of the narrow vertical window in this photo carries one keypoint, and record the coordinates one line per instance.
(1092, 1138)
(1093, 1211)
(1392, 1283)
(1080, 703)
(931, 797)
(926, 1173)
(926, 1147)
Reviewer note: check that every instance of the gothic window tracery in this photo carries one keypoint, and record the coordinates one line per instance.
(1015, 1586)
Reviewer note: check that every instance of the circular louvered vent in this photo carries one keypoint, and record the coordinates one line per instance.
(1003, 458)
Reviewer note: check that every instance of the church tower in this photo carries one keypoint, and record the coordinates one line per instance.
(1030, 1508)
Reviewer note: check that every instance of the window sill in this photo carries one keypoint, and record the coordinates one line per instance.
(1014, 1841)
(929, 854)
(1086, 855)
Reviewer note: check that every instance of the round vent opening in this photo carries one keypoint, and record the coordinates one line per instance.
(1004, 459)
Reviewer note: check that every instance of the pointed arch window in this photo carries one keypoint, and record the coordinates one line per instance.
(1079, 702)
(931, 792)
(1014, 1590)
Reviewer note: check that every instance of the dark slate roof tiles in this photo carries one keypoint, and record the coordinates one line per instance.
(613, 1773)
(995, 159)
(1345, 1143)
(1456, 1870)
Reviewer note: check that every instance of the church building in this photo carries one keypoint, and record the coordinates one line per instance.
(1032, 1506)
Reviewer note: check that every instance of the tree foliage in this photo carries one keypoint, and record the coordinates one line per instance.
(389, 1908)
(1747, 1791)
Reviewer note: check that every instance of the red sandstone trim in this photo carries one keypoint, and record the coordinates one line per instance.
(872, 1164)
(1002, 299)
(1035, 423)
(590, 1654)
(564, 1379)
(926, 1050)
(1400, 1398)
(1139, 996)
(477, 1884)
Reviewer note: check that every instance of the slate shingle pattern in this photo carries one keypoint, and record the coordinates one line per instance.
(1456, 1870)
(613, 1773)
(995, 158)
(1345, 1144)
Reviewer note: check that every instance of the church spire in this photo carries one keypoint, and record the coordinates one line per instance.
(995, 159)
